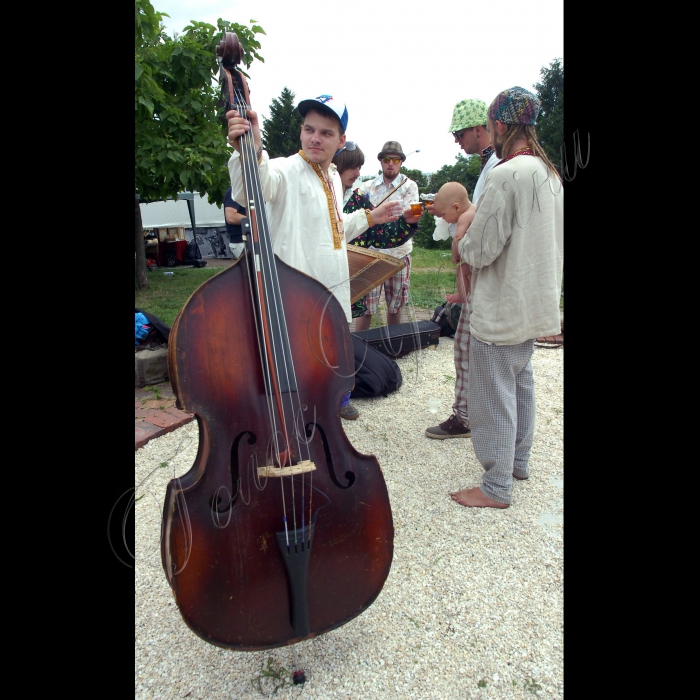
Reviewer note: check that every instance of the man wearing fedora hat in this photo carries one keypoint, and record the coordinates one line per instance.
(395, 288)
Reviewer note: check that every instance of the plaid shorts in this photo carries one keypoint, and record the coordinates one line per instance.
(395, 291)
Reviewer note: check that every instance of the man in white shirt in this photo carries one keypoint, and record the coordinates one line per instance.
(515, 247)
(304, 199)
(469, 130)
(395, 288)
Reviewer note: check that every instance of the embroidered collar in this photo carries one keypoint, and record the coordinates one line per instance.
(519, 152)
(485, 155)
(333, 213)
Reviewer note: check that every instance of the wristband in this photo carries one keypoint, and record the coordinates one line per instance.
(370, 222)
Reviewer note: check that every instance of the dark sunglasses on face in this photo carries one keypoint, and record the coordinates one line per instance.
(395, 161)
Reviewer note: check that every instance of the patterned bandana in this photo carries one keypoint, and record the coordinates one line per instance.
(468, 113)
(515, 106)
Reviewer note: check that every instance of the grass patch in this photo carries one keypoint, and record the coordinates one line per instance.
(166, 295)
(432, 276)
(422, 258)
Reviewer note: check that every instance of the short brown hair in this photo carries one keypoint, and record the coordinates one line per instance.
(349, 159)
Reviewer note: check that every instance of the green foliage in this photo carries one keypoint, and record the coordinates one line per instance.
(280, 132)
(271, 678)
(155, 389)
(417, 176)
(465, 170)
(550, 121)
(165, 296)
(180, 144)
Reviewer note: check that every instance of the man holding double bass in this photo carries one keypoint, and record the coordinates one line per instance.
(259, 354)
(304, 195)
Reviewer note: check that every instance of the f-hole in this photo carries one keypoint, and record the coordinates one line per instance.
(350, 476)
(215, 502)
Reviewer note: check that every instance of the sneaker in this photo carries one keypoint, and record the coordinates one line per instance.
(349, 412)
(451, 428)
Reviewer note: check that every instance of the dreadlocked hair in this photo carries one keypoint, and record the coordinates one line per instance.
(528, 132)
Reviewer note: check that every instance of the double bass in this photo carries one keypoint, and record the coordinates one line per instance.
(281, 530)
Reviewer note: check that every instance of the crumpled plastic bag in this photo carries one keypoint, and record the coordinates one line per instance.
(143, 327)
(443, 230)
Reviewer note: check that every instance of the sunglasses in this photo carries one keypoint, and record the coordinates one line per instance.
(395, 161)
(349, 146)
(458, 134)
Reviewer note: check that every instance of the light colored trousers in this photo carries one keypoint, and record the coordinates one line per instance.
(501, 413)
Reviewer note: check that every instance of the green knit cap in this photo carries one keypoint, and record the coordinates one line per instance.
(468, 113)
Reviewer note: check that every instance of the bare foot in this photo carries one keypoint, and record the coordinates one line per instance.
(475, 498)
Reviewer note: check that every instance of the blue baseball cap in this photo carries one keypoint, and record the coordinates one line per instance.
(326, 103)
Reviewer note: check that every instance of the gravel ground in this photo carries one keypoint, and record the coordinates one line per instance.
(473, 605)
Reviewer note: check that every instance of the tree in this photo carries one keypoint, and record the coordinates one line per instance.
(417, 176)
(550, 120)
(179, 139)
(281, 131)
(465, 170)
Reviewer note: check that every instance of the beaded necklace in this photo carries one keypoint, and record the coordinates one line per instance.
(520, 152)
(336, 220)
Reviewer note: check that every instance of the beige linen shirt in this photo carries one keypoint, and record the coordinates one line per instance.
(515, 246)
(299, 219)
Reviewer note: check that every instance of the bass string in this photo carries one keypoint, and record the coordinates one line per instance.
(262, 346)
(272, 293)
(270, 274)
(247, 155)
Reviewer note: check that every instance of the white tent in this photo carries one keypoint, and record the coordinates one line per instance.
(171, 214)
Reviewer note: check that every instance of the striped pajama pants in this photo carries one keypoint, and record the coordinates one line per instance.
(395, 291)
(461, 355)
(501, 412)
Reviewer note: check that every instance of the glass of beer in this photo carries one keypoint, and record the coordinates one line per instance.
(416, 208)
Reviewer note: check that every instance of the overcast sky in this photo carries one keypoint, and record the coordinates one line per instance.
(400, 67)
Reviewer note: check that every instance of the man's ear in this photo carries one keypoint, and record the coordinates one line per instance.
(500, 127)
(341, 143)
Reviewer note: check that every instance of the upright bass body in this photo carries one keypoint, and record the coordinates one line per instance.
(241, 579)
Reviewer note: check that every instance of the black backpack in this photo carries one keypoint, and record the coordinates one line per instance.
(375, 373)
(447, 317)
